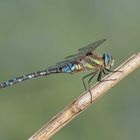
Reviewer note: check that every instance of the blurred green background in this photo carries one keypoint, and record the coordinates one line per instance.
(35, 35)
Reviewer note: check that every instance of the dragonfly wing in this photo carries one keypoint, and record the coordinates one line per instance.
(74, 56)
(82, 53)
(91, 47)
(63, 63)
(72, 59)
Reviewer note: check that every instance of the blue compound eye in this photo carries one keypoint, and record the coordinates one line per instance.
(106, 58)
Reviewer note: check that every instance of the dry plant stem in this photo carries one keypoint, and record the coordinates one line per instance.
(82, 102)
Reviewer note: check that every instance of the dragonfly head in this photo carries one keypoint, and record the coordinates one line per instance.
(108, 61)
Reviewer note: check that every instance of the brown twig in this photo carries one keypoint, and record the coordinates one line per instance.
(83, 102)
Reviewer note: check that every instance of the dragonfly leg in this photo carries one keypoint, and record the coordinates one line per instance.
(109, 70)
(94, 73)
(99, 76)
(105, 72)
(83, 79)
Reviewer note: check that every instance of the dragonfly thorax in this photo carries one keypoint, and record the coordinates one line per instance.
(108, 61)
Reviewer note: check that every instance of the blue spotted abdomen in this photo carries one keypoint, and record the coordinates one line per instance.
(70, 67)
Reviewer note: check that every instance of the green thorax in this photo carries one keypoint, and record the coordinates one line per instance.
(92, 62)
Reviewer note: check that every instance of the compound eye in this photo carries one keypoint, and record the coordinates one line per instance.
(106, 59)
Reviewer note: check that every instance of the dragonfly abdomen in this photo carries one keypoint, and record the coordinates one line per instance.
(30, 76)
(72, 67)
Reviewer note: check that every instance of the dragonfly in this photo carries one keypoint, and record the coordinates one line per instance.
(85, 59)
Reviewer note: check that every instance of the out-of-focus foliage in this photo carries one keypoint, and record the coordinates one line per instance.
(36, 34)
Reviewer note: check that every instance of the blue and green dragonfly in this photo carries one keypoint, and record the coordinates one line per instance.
(85, 59)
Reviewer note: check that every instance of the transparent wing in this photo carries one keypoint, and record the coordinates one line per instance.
(74, 56)
(91, 46)
(62, 63)
(69, 59)
(84, 50)
(82, 53)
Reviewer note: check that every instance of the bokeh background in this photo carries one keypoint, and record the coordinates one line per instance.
(35, 35)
